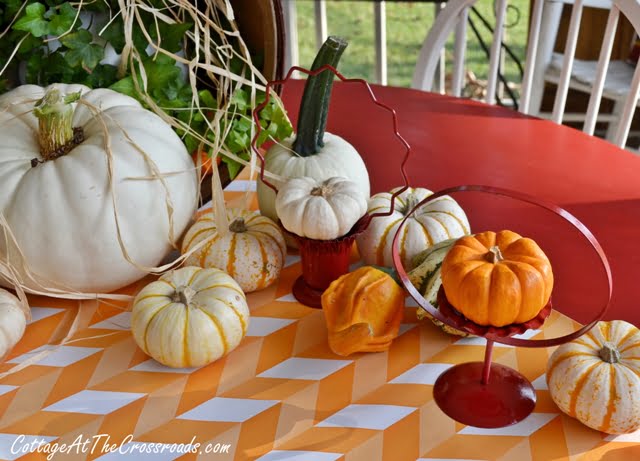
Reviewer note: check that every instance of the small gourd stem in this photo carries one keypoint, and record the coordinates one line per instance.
(183, 294)
(314, 107)
(609, 353)
(494, 255)
(238, 225)
(56, 134)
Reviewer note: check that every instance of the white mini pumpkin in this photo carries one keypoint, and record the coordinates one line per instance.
(190, 317)
(61, 210)
(13, 321)
(596, 378)
(320, 210)
(439, 220)
(336, 158)
(252, 252)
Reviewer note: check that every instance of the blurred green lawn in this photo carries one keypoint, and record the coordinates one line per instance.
(407, 26)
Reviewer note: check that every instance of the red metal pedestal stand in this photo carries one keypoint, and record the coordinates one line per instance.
(323, 261)
(485, 394)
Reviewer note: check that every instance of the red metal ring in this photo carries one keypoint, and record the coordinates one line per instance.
(547, 342)
(326, 67)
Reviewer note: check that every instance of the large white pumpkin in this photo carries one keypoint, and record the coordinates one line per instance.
(336, 158)
(434, 222)
(61, 211)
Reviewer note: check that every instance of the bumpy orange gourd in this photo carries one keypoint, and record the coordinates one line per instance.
(363, 310)
(497, 278)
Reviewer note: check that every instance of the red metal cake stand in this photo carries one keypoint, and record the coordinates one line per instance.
(486, 394)
(323, 261)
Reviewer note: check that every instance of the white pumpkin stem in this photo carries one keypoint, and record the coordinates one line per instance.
(609, 353)
(56, 133)
(409, 204)
(494, 255)
(238, 225)
(184, 294)
(319, 191)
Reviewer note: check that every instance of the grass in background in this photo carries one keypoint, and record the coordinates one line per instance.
(407, 26)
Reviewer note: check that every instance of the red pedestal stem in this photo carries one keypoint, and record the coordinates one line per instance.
(323, 261)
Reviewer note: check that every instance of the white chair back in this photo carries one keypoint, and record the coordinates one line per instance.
(544, 25)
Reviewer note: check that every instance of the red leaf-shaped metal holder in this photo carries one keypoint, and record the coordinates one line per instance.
(485, 394)
(323, 261)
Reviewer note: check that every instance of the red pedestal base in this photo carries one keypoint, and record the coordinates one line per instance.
(307, 295)
(507, 397)
(323, 261)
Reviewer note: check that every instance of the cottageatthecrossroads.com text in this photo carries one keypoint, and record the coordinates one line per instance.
(102, 444)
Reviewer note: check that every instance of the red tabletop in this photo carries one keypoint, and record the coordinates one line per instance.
(456, 142)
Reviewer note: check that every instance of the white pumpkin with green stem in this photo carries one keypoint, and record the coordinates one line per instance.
(81, 181)
(313, 152)
(318, 210)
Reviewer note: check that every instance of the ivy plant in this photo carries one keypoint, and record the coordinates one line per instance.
(78, 56)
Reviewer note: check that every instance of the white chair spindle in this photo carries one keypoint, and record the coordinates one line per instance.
(320, 10)
(291, 57)
(628, 110)
(434, 42)
(567, 63)
(460, 46)
(532, 51)
(380, 15)
(603, 67)
(441, 75)
(496, 48)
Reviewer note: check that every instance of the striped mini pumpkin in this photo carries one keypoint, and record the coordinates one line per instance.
(434, 222)
(190, 317)
(253, 252)
(596, 378)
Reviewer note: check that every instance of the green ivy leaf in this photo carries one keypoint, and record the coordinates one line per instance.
(171, 35)
(241, 100)
(232, 166)
(33, 20)
(114, 34)
(81, 51)
(11, 8)
(164, 78)
(27, 45)
(63, 20)
(125, 86)
(103, 76)
(207, 100)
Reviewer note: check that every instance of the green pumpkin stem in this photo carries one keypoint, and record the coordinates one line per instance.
(609, 353)
(314, 108)
(56, 133)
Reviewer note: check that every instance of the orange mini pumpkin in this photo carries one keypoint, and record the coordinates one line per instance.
(497, 278)
(363, 310)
